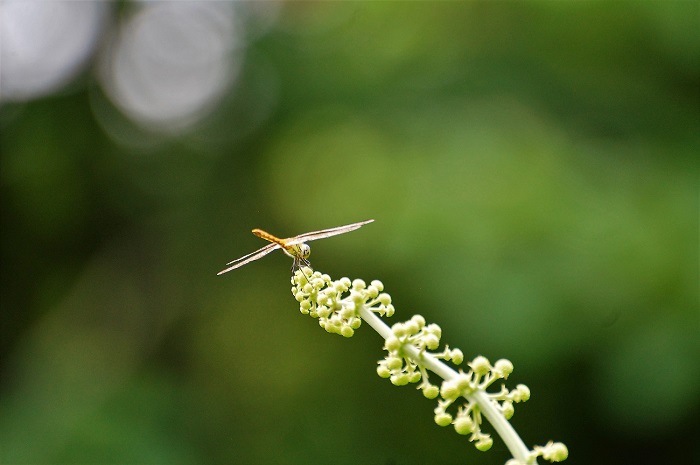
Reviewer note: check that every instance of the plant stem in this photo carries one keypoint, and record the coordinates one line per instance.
(504, 429)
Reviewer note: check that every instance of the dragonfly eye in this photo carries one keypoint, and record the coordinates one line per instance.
(305, 250)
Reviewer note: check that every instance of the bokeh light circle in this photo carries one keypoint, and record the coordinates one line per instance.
(44, 44)
(171, 62)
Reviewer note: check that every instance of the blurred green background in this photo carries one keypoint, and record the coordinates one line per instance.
(531, 167)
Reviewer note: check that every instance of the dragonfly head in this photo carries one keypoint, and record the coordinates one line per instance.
(304, 250)
(300, 253)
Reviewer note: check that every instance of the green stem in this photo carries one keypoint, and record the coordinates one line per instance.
(504, 429)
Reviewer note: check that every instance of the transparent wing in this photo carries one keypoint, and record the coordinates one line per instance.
(322, 234)
(237, 263)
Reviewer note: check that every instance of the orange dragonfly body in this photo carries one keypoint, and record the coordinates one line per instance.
(295, 247)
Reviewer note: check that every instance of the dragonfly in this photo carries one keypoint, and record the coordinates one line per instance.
(295, 247)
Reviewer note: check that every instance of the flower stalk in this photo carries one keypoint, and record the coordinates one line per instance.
(341, 306)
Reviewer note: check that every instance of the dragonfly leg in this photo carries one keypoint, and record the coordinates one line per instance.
(300, 262)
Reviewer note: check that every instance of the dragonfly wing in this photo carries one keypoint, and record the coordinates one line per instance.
(249, 258)
(322, 234)
(259, 251)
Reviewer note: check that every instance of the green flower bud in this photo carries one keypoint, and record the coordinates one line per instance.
(383, 371)
(449, 390)
(400, 379)
(415, 377)
(392, 344)
(390, 310)
(399, 330)
(394, 363)
(524, 392)
(419, 320)
(508, 409)
(555, 452)
(431, 341)
(411, 327)
(464, 425)
(480, 365)
(503, 368)
(431, 391)
(443, 419)
(484, 443)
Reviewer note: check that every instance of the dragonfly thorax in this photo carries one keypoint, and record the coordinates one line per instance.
(300, 253)
(298, 250)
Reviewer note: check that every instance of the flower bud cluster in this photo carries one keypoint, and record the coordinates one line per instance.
(337, 304)
(340, 307)
(468, 418)
(403, 368)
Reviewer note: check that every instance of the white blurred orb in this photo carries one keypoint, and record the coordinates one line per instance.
(44, 44)
(171, 62)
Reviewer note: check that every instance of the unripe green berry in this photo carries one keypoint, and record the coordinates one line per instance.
(463, 425)
(449, 390)
(484, 443)
(555, 452)
(392, 344)
(443, 419)
(411, 327)
(431, 391)
(432, 328)
(419, 320)
(503, 367)
(508, 409)
(399, 330)
(383, 371)
(400, 379)
(480, 365)
(431, 341)
(372, 292)
(463, 384)
(524, 392)
(394, 363)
